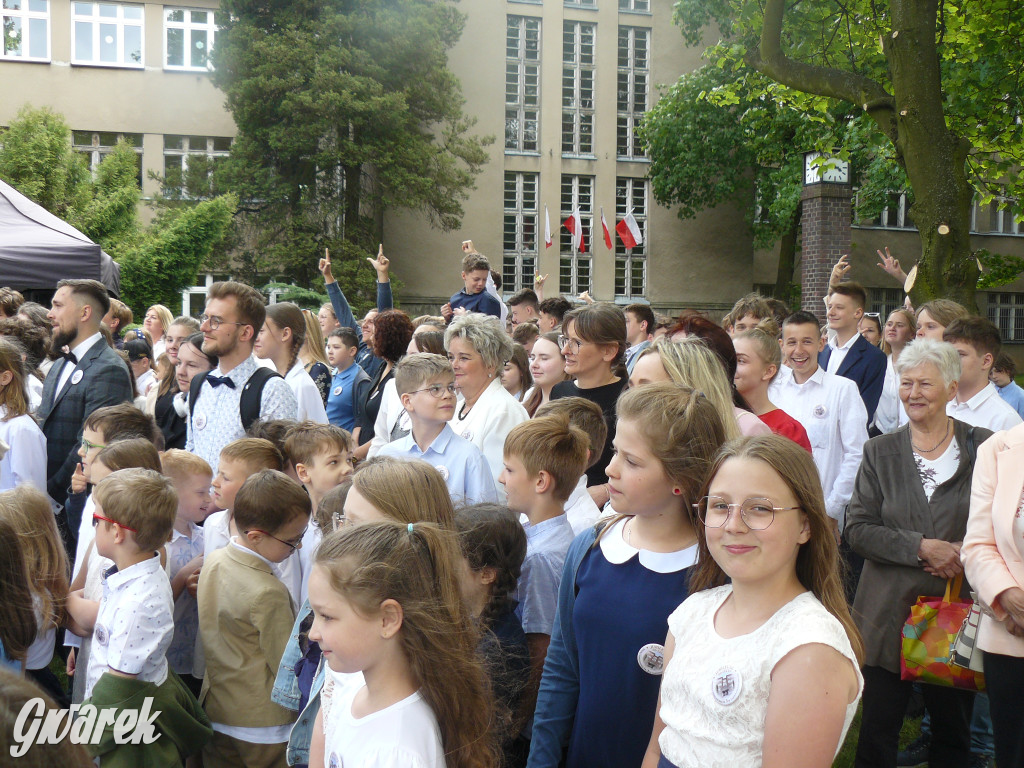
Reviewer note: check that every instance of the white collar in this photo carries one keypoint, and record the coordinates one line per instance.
(253, 552)
(617, 551)
(847, 346)
(979, 398)
(80, 349)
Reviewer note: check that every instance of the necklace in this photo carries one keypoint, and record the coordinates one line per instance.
(949, 424)
(464, 412)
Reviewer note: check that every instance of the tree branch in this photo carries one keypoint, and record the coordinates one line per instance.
(770, 60)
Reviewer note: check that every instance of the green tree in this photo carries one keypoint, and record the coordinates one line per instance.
(158, 261)
(343, 109)
(939, 79)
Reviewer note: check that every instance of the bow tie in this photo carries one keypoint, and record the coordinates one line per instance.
(216, 381)
(70, 357)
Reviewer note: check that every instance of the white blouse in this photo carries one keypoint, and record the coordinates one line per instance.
(488, 423)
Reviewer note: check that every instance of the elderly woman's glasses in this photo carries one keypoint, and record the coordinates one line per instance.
(756, 513)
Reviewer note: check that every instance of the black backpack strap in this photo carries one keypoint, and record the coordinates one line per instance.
(193, 390)
(252, 395)
(972, 447)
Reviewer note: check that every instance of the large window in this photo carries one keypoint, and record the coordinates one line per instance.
(188, 37)
(633, 77)
(639, 6)
(885, 301)
(96, 145)
(108, 34)
(1006, 310)
(519, 234)
(574, 269)
(26, 30)
(178, 150)
(631, 265)
(522, 83)
(578, 88)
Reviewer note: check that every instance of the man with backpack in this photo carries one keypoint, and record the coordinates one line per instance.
(223, 402)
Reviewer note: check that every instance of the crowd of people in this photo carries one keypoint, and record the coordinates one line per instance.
(534, 533)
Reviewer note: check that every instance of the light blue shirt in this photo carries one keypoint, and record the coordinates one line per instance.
(547, 544)
(217, 420)
(461, 464)
(1014, 395)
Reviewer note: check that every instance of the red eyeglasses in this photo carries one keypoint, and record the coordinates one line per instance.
(96, 518)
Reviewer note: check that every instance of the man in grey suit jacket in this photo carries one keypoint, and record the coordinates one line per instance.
(90, 376)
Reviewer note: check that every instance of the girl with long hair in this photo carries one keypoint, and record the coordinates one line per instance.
(768, 671)
(515, 376)
(18, 626)
(280, 340)
(900, 330)
(157, 321)
(622, 578)
(25, 458)
(28, 511)
(547, 367)
(387, 605)
(314, 356)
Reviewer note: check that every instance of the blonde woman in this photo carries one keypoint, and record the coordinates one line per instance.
(158, 320)
(314, 357)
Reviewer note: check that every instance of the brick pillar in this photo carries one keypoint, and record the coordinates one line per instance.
(825, 227)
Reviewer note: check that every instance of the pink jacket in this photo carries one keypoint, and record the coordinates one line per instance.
(992, 560)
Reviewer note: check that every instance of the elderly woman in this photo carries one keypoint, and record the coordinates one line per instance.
(992, 554)
(907, 519)
(485, 412)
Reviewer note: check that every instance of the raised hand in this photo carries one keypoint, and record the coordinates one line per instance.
(325, 267)
(381, 264)
(78, 481)
(839, 270)
(891, 265)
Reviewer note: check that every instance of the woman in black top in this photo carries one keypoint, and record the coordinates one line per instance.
(392, 332)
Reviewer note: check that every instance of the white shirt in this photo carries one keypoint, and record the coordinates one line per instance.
(78, 352)
(839, 353)
(134, 624)
(25, 462)
(830, 408)
(488, 423)
(390, 414)
(580, 509)
(311, 405)
(145, 382)
(33, 392)
(887, 414)
(986, 409)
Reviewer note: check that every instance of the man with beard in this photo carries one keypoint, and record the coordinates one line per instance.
(219, 400)
(89, 376)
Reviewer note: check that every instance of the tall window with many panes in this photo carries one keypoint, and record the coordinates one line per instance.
(188, 37)
(522, 83)
(574, 269)
(1006, 310)
(107, 34)
(177, 152)
(637, 6)
(631, 265)
(519, 233)
(96, 145)
(633, 78)
(578, 88)
(26, 30)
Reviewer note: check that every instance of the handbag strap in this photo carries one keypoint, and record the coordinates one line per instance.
(953, 587)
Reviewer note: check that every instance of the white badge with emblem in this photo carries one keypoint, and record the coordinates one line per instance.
(100, 633)
(443, 470)
(337, 390)
(651, 658)
(76, 377)
(726, 685)
(199, 420)
(335, 761)
(820, 411)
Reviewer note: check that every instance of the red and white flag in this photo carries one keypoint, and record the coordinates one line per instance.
(607, 234)
(629, 232)
(575, 225)
(547, 228)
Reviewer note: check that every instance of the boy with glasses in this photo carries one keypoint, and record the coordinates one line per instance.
(245, 619)
(426, 385)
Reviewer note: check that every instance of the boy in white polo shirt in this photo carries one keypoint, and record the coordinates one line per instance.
(977, 400)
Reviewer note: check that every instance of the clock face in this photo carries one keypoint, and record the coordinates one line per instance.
(837, 171)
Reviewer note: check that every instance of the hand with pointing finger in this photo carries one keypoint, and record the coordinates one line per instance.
(78, 481)
(380, 264)
(325, 267)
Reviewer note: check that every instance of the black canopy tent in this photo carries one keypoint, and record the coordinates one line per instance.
(37, 249)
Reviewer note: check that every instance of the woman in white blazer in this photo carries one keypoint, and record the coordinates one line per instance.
(992, 554)
(485, 413)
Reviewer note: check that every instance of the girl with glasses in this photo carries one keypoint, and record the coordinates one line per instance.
(762, 660)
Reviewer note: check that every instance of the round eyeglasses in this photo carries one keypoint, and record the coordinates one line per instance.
(437, 390)
(757, 513)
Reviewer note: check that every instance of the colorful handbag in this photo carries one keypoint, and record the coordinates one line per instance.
(928, 637)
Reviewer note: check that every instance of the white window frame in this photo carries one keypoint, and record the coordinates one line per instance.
(576, 268)
(25, 16)
(522, 68)
(589, 4)
(631, 194)
(187, 27)
(188, 150)
(633, 84)
(95, 150)
(120, 22)
(578, 87)
(1006, 310)
(520, 231)
(635, 6)
(1006, 223)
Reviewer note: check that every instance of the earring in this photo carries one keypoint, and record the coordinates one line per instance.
(677, 491)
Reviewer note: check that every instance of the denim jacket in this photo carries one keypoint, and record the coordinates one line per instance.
(286, 693)
(560, 684)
